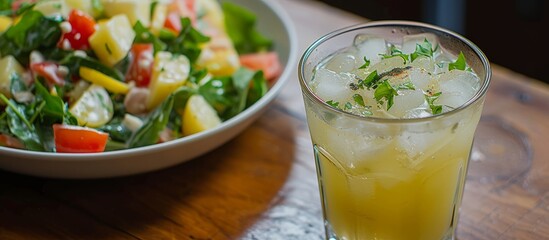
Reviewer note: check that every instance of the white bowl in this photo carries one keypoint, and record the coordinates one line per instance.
(272, 21)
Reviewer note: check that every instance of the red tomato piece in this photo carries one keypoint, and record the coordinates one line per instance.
(178, 9)
(82, 27)
(184, 8)
(76, 139)
(266, 61)
(140, 70)
(173, 22)
(49, 71)
(11, 142)
(16, 4)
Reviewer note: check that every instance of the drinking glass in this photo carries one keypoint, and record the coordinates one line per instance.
(391, 178)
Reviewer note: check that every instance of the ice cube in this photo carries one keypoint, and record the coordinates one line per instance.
(407, 100)
(418, 146)
(420, 78)
(343, 62)
(457, 87)
(418, 113)
(424, 63)
(370, 47)
(387, 64)
(409, 42)
(329, 85)
(352, 141)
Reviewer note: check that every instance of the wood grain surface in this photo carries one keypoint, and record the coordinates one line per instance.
(262, 184)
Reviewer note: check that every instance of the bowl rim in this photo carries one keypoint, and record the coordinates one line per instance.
(271, 94)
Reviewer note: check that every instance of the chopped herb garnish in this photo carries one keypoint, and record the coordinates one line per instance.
(348, 106)
(385, 91)
(440, 65)
(366, 64)
(406, 86)
(422, 49)
(108, 49)
(353, 86)
(370, 81)
(395, 52)
(459, 64)
(359, 100)
(333, 103)
(435, 109)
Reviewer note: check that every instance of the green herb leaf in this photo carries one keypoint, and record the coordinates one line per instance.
(188, 41)
(149, 133)
(333, 103)
(230, 95)
(459, 64)
(395, 52)
(117, 130)
(348, 106)
(20, 126)
(435, 109)
(406, 86)
(34, 31)
(422, 49)
(181, 96)
(143, 35)
(241, 27)
(74, 63)
(387, 92)
(359, 100)
(370, 81)
(54, 107)
(5, 7)
(366, 64)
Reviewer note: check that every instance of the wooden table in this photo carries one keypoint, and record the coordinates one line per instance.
(262, 184)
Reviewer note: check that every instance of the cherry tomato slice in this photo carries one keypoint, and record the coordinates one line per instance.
(76, 139)
(82, 27)
(49, 71)
(140, 70)
(267, 61)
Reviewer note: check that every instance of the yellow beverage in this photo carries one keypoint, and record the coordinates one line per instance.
(392, 108)
(390, 193)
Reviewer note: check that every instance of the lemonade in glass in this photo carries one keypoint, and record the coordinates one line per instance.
(392, 107)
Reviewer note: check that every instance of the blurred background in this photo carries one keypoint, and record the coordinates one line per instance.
(508, 31)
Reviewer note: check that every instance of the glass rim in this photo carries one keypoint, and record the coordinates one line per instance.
(394, 23)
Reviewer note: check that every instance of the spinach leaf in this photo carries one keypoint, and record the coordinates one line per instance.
(74, 63)
(4, 128)
(230, 95)
(17, 84)
(157, 121)
(114, 145)
(5, 7)
(54, 107)
(116, 130)
(258, 88)
(7, 10)
(34, 31)
(181, 96)
(143, 35)
(241, 27)
(188, 41)
(19, 125)
(222, 95)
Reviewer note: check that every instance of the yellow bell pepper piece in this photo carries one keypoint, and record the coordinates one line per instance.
(109, 83)
(5, 23)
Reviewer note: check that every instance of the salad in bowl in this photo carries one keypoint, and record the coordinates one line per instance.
(90, 76)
